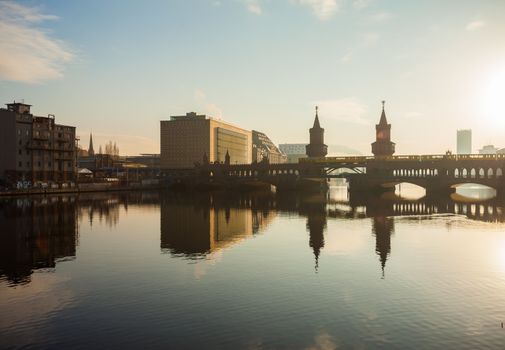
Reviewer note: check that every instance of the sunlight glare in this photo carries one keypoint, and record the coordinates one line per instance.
(493, 98)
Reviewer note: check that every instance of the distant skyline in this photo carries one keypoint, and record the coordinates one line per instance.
(116, 68)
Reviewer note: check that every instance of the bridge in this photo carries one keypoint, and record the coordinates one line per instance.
(435, 173)
(438, 174)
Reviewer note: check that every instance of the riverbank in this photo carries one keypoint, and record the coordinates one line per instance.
(77, 189)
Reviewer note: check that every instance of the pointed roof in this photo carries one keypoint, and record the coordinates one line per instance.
(316, 120)
(383, 120)
(91, 151)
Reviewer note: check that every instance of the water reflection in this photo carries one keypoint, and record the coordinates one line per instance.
(193, 226)
(34, 234)
(38, 232)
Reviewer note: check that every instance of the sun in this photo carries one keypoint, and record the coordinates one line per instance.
(493, 98)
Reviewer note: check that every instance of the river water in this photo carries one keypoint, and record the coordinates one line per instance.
(264, 271)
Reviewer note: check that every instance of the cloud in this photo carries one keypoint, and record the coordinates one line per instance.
(253, 6)
(370, 38)
(210, 108)
(346, 58)
(475, 25)
(361, 4)
(348, 109)
(381, 16)
(322, 9)
(27, 53)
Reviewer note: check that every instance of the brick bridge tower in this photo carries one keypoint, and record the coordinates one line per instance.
(316, 147)
(383, 145)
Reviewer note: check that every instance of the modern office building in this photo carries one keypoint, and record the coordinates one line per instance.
(263, 147)
(185, 140)
(464, 141)
(35, 149)
(293, 151)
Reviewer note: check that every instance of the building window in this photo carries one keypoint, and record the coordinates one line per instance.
(19, 132)
(49, 164)
(19, 152)
(38, 164)
(20, 164)
(28, 164)
(27, 132)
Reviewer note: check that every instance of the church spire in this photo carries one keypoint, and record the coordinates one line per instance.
(91, 151)
(383, 120)
(316, 120)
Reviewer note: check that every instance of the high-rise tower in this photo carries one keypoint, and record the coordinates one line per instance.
(383, 145)
(316, 147)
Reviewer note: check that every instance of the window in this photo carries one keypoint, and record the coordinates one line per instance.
(38, 164)
(19, 152)
(19, 132)
(28, 164)
(20, 164)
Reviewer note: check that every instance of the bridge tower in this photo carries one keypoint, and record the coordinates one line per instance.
(316, 147)
(383, 145)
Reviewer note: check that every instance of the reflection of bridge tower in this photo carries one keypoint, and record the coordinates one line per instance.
(383, 145)
(316, 224)
(383, 227)
(316, 147)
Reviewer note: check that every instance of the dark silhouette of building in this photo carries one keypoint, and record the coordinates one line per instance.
(91, 151)
(316, 147)
(383, 145)
(35, 149)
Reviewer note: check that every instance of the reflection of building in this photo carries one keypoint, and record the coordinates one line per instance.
(488, 149)
(186, 139)
(316, 224)
(316, 147)
(263, 147)
(464, 141)
(383, 145)
(192, 230)
(35, 149)
(294, 151)
(382, 229)
(34, 234)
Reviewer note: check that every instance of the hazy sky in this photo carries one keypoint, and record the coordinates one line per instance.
(118, 67)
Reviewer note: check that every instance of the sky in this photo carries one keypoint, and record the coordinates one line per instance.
(116, 68)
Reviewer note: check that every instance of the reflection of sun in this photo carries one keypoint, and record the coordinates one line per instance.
(493, 98)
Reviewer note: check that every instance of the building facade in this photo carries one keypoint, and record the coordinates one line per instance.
(186, 140)
(294, 151)
(35, 150)
(383, 145)
(316, 147)
(464, 141)
(489, 149)
(263, 147)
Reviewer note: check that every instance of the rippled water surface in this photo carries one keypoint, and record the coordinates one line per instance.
(322, 271)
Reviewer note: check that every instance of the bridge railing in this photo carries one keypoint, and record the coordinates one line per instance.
(420, 158)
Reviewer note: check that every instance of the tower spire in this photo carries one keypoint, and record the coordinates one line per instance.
(383, 120)
(91, 151)
(316, 120)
